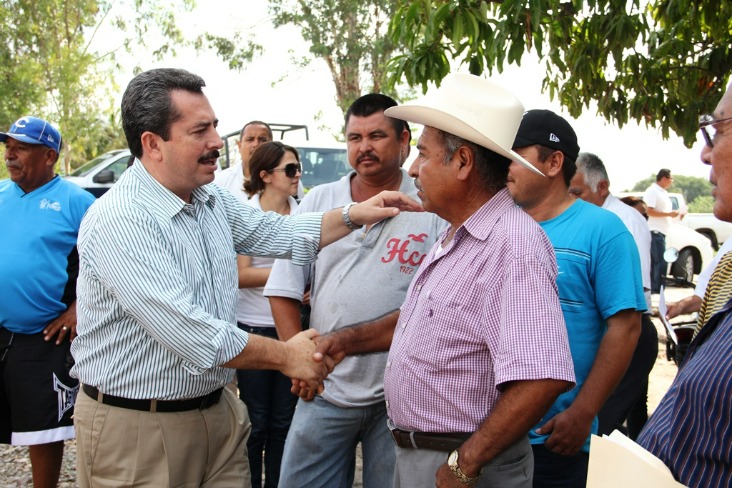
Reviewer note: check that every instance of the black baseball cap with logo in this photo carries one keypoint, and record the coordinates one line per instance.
(546, 128)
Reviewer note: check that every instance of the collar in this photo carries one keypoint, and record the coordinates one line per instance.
(481, 223)
(166, 203)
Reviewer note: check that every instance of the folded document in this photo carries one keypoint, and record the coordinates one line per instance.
(616, 461)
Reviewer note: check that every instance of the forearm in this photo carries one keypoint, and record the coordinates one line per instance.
(611, 362)
(287, 316)
(372, 336)
(520, 406)
(253, 277)
(260, 353)
(652, 212)
(686, 306)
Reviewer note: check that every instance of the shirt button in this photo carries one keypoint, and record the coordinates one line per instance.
(388, 364)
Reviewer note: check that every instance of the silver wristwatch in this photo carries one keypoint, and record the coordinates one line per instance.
(347, 218)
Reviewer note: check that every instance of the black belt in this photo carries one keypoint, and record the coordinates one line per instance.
(199, 403)
(658, 232)
(435, 441)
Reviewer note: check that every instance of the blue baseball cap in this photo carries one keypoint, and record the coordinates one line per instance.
(33, 130)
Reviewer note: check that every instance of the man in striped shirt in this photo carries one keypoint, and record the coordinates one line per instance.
(157, 340)
(691, 430)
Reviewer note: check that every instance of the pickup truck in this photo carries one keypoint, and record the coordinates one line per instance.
(717, 231)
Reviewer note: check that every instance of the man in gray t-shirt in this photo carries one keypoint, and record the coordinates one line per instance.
(358, 278)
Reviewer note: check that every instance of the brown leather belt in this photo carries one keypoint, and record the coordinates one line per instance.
(199, 403)
(435, 441)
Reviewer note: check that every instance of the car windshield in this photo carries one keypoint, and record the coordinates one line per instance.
(322, 165)
(88, 167)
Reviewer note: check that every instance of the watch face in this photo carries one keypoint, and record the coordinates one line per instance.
(452, 458)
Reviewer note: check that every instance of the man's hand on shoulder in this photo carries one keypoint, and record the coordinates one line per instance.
(62, 326)
(382, 206)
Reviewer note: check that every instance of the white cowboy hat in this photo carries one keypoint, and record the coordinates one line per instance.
(470, 107)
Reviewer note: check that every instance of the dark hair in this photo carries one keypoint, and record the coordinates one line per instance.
(376, 102)
(634, 202)
(266, 158)
(147, 105)
(492, 167)
(256, 122)
(664, 173)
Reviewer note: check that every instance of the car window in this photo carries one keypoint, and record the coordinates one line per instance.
(85, 169)
(119, 166)
(322, 165)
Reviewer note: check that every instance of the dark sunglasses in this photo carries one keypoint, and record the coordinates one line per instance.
(291, 170)
(706, 126)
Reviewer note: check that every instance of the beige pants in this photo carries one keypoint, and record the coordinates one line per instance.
(119, 447)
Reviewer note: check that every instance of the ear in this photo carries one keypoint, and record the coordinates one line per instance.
(404, 146)
(266, 177)
(465, 161)
(554, 164)
(152, 147)
(603, 188)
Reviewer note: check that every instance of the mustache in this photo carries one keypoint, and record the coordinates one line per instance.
(209, 155)
(368, 155)
(13, 165)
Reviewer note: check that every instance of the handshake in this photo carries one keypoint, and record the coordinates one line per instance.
(310, 358)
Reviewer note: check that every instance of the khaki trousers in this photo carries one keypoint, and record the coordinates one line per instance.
(118, 447)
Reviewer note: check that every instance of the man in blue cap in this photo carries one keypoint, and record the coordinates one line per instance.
(40, 215)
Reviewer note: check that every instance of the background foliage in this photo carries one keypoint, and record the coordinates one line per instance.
(662, 62)
(696, 191)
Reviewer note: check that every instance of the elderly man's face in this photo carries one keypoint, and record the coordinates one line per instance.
(432, 175)
(579, 188)
(30, 165)
(720, 157)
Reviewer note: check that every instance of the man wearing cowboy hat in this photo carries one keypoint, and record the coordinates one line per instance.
(480, 348)
(600, 288)
(40, 216)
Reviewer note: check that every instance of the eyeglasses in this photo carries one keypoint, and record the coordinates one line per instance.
(706, 126)
(291, 170)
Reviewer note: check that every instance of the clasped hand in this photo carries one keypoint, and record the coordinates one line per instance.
(328, 354)
(304, 365)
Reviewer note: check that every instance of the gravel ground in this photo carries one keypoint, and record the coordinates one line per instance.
(15, 468)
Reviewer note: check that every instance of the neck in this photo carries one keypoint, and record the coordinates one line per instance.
(555, 202)
(364, 188)
(272, 201)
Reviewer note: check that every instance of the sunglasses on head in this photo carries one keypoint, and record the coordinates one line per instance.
(291, 170)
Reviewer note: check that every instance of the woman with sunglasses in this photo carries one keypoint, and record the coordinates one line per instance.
(275, 173)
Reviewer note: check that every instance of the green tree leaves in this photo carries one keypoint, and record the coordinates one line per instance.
(662, 62)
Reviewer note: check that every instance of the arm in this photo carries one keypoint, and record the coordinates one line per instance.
(685, 306)
(569, 429)
(286, 314)
(384, 205)
(62, 325)
(520, 406)
(250, 277)
(293, 358)
(372, 336)
(655, 213)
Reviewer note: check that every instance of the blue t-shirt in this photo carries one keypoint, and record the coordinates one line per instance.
(38, 237)
(599, 276)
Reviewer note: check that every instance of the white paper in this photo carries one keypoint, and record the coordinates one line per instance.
(662, 311)
(616, 461)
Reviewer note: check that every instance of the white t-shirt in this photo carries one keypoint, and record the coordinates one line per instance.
(657, 198)
(638, 227)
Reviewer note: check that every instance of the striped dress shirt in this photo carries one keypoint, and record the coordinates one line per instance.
(482, 313)
(158, 281)
(691, 430)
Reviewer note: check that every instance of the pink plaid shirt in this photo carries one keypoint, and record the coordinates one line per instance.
(482, 313)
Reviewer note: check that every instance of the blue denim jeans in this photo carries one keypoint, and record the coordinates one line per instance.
(658, 265)
(556, 471)
(267, 396)
(321, 446)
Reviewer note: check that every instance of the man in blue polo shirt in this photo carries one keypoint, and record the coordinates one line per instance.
(40, 216)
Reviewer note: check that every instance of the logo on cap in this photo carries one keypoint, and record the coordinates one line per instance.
(553, 137)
